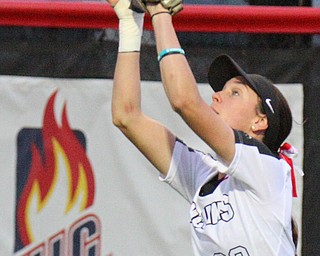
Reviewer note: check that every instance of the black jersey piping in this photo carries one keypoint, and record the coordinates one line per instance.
(243, 138)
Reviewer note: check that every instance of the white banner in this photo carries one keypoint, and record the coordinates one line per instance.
(72, 184)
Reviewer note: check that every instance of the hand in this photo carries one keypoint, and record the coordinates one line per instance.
(172, 6)
(153, 8)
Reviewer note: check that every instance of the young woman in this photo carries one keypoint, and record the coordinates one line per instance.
(241, 201)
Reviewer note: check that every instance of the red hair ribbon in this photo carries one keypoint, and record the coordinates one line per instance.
(287, 152)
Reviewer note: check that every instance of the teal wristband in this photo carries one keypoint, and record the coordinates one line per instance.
(169, 51)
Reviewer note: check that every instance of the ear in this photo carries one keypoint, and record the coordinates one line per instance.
(260, 124)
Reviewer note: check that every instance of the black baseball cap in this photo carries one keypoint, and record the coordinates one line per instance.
(223, 68)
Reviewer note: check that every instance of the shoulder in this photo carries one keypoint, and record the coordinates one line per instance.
(192, 153)
(245, 139)
(180, 144)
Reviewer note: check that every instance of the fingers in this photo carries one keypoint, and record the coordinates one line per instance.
(155, 8)
(173, 6)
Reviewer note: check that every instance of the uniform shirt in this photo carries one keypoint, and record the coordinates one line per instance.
(246, 213)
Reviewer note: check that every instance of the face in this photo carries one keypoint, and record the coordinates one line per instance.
(237, 104)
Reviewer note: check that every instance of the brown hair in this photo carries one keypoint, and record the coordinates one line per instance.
(285, 121)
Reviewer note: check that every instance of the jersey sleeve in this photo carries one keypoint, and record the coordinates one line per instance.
(188, 170)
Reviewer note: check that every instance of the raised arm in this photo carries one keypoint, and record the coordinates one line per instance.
(149, 136)
(182, 91)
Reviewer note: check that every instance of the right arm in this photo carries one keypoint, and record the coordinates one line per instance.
(182, 90)
(154, 140)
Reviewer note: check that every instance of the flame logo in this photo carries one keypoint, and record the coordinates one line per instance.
(60, 181)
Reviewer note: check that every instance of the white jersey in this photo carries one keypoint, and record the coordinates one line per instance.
(248, 212)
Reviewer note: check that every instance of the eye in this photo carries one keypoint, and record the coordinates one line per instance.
(235, 92)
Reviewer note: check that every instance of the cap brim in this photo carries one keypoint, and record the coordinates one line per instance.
(222, 69)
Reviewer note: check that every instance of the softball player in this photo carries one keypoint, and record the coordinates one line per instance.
(241, 199)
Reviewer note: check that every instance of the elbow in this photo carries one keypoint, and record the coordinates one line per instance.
(178, 105)
(117, 121)
(121, 117)
(185, 94)
(178, 101)
(183, 103)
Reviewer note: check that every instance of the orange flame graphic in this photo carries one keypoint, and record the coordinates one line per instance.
(61, 149)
